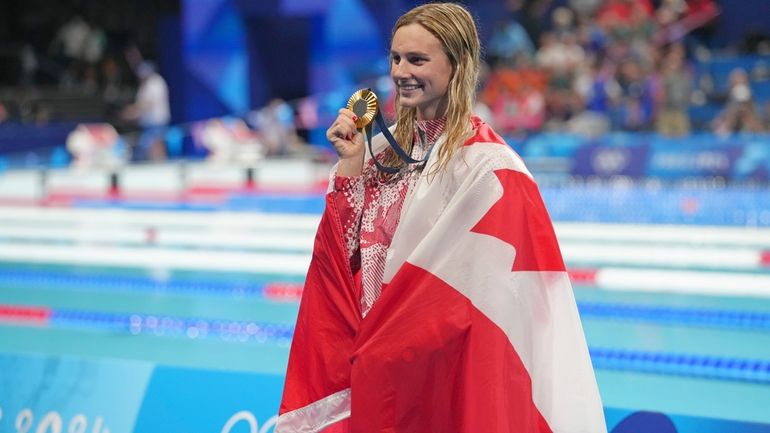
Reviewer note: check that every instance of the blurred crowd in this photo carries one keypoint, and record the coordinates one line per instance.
(71, 60)
(80, 68)
(600, 65)
(579, 66)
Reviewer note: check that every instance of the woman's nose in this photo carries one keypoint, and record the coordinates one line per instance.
(399, 70)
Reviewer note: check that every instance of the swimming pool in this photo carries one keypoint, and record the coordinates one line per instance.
(161, 318)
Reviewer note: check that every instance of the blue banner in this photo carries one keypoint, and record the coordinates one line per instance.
(742, 157)
(629, 421)
(670, 160)
(54, 394)
(595, 159)
(186, 400)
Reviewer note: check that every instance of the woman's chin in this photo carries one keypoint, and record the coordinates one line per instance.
(408, 102)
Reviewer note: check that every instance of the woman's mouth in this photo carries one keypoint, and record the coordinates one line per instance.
(409, 87)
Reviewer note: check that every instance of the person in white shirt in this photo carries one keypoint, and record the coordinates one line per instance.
(151, 112)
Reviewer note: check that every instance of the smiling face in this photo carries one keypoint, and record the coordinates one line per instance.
(420, 70)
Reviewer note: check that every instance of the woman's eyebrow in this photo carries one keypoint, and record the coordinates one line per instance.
(409, 53)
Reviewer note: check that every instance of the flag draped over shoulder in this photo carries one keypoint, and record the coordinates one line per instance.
(476, 329)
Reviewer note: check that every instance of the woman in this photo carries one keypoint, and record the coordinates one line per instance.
(437, 299)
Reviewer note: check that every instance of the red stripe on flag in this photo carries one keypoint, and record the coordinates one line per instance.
(582, 276)
(426, 360)
(15, 313)
(284, 292)
(482, 133)
(319, 361)
(764, 258)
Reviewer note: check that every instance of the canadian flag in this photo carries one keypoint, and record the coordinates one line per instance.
(476, 329)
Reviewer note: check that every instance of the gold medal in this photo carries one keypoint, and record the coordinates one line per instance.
(364, 103)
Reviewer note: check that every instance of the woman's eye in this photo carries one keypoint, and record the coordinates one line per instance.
(396, 59)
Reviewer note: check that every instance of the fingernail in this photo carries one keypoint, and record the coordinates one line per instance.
(355, 118)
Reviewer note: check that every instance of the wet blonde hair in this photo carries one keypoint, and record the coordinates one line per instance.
(455, 28)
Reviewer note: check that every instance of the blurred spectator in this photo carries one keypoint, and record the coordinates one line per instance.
(515, 97)
(640, 33)
(674, 100)
(560, 57)
(71, 39)
(151, 113)
(681, 20)
(509, 41)
(740, 112)
(307, 113)
(133, 56)
(739, 91)
(736, 118)
(95, 44)
(29, 65)
(519, 110)
(79, 46)
(112, 84)
(621, 16)
(637, 101)
(599, 91)
(563, 22)
(585, 9)
(592, 38)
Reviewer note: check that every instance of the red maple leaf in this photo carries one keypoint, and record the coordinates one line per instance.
(519, 218)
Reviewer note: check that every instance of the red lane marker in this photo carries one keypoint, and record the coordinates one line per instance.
(583, 276)
(764, 258)
(284, 292)
(28, 315)
(690, 205)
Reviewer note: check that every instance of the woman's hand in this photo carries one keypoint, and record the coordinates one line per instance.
(348, 142)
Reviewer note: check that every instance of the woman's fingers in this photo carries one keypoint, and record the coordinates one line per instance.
(344, 126)
(344, 112)
(344, 136)
(340, 131)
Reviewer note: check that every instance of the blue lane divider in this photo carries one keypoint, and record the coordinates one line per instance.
(668, 363)
(745, 320)
(170, 326)
(49, 279)
(681, 364)
(142, 205)
(748, 320)
(280, 203)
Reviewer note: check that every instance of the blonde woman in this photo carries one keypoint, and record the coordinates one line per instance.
(437, 299)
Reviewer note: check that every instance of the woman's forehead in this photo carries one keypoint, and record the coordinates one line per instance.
(414, 38)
